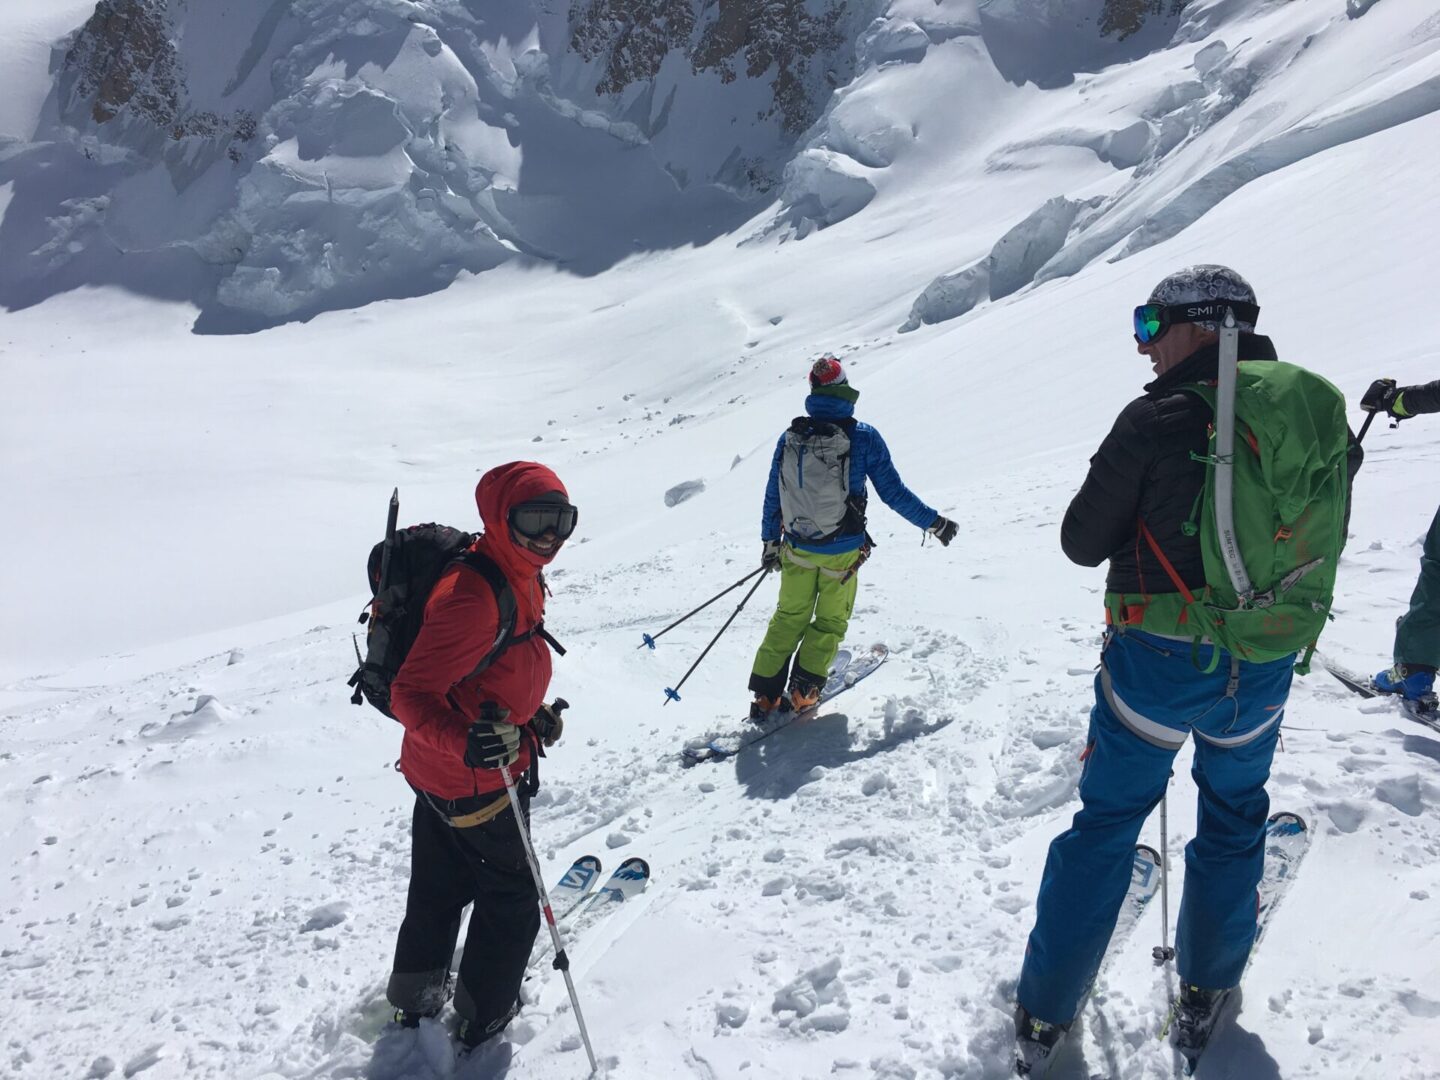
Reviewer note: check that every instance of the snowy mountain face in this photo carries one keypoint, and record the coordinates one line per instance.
(294, 157)
(207, 845)
(268, 161)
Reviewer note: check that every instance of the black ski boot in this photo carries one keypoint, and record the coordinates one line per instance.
(472, 1034)
(1036, 1042)
(411, 1019)
(1195, 1016)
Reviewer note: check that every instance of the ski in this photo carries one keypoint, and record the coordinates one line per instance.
(1287, 838)
(625, 881)
(1031, 1059)
(575, 886)
(846, 671)
(628, 880)
(1422, 712)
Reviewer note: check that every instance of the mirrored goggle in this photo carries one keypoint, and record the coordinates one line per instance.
(1152, 320)
(534, 520)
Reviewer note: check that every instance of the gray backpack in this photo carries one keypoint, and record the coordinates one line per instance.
(815, 503)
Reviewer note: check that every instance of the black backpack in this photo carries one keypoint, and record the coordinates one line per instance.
(418, 556)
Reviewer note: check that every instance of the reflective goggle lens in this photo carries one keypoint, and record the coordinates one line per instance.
(534, 520)
(1149, 321)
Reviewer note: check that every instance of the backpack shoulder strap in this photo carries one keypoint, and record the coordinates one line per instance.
(504, 603)
(505, 635)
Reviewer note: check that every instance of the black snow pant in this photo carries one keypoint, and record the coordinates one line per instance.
(450, 868)
(1417, 634)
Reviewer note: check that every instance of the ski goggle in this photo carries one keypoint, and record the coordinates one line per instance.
(1152, 320)
(533, 520)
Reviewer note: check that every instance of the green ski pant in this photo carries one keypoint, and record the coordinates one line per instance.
(812, 616)
(1417, 637)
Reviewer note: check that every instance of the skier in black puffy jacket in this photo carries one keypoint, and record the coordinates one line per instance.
(1152, 692)
(1417, 636)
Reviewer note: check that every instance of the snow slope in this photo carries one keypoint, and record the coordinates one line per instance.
(208, 844)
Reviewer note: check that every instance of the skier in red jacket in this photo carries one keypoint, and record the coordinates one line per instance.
(460, 728)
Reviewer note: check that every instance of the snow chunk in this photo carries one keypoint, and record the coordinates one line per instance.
(617, 839)
(100, 1068)
(819, 986)
(147, 1058)
(728, 1015)
(680, 492)
(776, 886)
(326, 917)
(1403, 793)
(206, 713)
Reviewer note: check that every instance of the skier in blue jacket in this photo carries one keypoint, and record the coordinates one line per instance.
(813, 531)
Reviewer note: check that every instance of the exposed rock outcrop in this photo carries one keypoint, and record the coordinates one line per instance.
(632, 38)
(122, 68)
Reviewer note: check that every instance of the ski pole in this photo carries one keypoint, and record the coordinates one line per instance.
(1369, 419)
(650, 639)
(673, 693)
(1163, 953)
(561, 962)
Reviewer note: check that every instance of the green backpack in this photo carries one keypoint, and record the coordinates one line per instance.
(1290, 485)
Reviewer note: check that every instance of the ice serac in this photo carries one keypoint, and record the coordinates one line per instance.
(1048, 42)
(1013, 263)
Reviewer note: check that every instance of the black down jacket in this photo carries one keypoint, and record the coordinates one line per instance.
(1420, 399)
(1144, 469)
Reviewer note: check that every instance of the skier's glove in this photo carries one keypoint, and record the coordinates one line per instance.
(770, 555)
(943, 529)
(1381, 397)
(491, 744)
(548, 724)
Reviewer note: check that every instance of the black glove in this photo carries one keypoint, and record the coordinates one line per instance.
(491, 744)
(547, 722)
(1380, 397)
(770, 555)
(943, 529)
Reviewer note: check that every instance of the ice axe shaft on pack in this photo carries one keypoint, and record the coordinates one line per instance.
(562, 960)
(650, 639)
(673, 693)
(390, 522)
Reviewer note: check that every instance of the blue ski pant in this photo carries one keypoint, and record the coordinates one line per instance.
(1149, 696)
(1417, 635)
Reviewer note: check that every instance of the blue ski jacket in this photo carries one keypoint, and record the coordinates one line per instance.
(869, 460)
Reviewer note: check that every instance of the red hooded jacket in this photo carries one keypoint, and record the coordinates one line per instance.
(433, 694)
